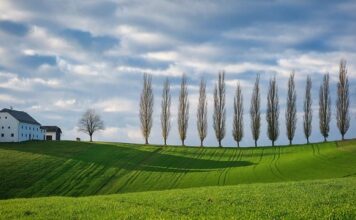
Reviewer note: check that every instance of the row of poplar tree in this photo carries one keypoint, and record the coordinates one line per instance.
(272, 113)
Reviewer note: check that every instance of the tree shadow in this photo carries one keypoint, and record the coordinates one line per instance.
(124, 156)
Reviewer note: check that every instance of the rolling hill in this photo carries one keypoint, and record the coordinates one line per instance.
(266, 182)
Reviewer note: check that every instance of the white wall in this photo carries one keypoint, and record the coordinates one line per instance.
(53, 134)
(8, 127)
(21, 131)
(30, 132)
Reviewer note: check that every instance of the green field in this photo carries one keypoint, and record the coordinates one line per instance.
(278, 182)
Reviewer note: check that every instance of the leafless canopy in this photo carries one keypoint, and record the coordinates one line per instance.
(146, 107)
(272, 114)
(255, 113)
(343, 100)
(238, 131)
(166, 111)
(324, 107)
(219, 115)
(291, 110)
(308, 114)
(90, 122)
(202, 120)
(183, 110)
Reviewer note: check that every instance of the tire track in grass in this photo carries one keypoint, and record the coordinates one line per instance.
(223, 169)
(178, 176)
(232, 159)
(137, 171)
(282, 176)
(121, 171)
(212, 156)
(272, 163)
(258, 162)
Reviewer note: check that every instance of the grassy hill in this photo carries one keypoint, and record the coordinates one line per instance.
(317, 199)
(35, 169)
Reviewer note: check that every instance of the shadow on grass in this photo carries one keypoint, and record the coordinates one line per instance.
(124, 156)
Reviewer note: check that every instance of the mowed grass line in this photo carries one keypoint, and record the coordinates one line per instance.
(317, 199)
(68, 168)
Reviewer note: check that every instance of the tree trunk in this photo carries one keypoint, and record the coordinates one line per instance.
(238, 144)
(290, 142)
(91, 138)
(255, 143)
(343, 137)
(325, 139)
(165, 142)
(307, 140)
(146, 140)
(201, 143)
(220, 143)
(183, 143)
(272, 143)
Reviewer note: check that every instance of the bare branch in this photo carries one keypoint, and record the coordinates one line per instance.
(238, 131)
(202, 120)
(90, 122)
(255, 113)
(146, 107)
(291, 110)
(308, 114)
(183, 110)
(324, 107)
(343, 101)
(219, 115)
(272, 114)
(166, 111)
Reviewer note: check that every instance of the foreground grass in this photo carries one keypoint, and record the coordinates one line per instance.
(321, 199)
(37, 169)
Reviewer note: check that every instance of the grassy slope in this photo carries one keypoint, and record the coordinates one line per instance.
(78, 169)
(317, 199)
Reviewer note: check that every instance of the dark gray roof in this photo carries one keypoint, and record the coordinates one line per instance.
(51, 129)
(21, 116)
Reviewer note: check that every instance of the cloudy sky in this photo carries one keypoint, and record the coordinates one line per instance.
(58, 58)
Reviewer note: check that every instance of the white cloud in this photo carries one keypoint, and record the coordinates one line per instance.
(14, 82)
(116, 105)
(65, 104)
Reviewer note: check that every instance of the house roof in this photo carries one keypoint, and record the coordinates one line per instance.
(51, 129)
(21, 116)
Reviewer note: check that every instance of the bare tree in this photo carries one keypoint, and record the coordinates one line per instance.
(146, 107)
(238, 131)
(90, 122)
(272, 114)
(291, 110)
(324, 107)
(255, 113)
(183, 110)
(166, 111)
(202, 120)
(343, 101)
(219, 115)
(308, 114)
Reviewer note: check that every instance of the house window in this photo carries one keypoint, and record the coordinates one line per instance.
(12, 134)
(2, 135)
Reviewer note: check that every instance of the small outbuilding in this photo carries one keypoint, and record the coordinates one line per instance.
(52, 133)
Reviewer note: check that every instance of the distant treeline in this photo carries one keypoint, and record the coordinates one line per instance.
(272, 112)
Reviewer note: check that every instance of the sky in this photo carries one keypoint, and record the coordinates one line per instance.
(59, 58)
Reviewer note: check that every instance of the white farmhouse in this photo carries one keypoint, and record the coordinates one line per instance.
(16, 126)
